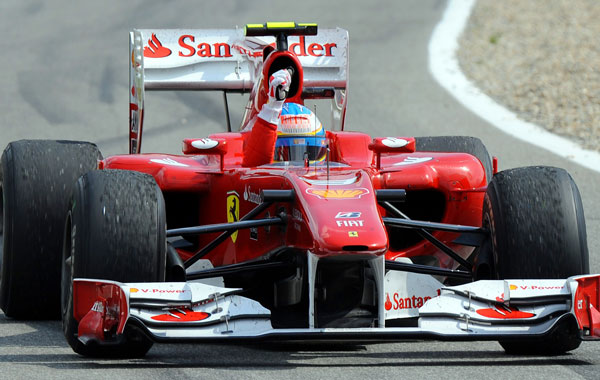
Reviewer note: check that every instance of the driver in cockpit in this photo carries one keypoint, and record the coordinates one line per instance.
(284, 131)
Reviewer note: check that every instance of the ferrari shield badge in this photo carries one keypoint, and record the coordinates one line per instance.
(233, 210)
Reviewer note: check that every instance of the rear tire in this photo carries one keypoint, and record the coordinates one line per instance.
(457, 144)
(37, 178)
(537, 231)
(115, 231)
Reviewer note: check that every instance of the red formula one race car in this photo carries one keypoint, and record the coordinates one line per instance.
(337, 235)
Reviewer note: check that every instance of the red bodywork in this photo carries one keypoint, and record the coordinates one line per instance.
(313, 225)
(359, 166)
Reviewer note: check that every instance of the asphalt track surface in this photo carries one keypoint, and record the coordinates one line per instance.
(63, 75)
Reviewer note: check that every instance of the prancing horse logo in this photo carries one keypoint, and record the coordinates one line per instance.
(233, 210)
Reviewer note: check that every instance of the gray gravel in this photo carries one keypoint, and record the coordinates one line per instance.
(541, 59)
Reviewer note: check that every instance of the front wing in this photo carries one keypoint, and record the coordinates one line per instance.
(482, 310)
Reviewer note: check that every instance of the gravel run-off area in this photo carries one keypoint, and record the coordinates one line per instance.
(540, 59)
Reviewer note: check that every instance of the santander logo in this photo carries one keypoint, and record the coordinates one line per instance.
(189, 46)
(155, 48)
(398, 301)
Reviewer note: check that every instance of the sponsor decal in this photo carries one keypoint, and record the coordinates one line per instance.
(98, 306)
(134, 145)
(393, 142)
(536, 287)
(353, 233)
(350, 223)
(155, 48)
(203, 49)
(168, 161)
(157, 291)
(233, 210)
(338, 194)
(252, 197)
(313, 50)
(133, 117)
(181, 315)
(331, 182)
(205, 143)
(504, 312)
(398, 301)
(413, 160)
(244, 51)
(388, 303)
(348, 215)
(189, 47)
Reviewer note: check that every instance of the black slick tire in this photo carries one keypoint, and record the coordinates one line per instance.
(37, 178)
(537, 231)
(115, 230)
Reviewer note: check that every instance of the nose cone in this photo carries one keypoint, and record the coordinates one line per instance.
(342, 215)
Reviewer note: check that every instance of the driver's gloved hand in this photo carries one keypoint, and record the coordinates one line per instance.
(272, 108)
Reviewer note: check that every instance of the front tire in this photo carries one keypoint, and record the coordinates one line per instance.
(537, 231)
(116, 231)
(37, 178)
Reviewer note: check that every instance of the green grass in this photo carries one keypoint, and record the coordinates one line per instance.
(494, 38)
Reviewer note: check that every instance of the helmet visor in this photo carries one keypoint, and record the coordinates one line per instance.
(297, 148)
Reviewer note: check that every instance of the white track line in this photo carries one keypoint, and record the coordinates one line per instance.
(444, 67)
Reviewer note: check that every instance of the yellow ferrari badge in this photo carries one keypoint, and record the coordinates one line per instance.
(353, 233)
(233, 210)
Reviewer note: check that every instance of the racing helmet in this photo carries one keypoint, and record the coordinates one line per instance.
(300, 135)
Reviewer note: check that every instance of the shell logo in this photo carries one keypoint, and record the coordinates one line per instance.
(513, 287)
(133, 290)
(338, 193)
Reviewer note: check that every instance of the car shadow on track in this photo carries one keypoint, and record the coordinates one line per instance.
(41, 343)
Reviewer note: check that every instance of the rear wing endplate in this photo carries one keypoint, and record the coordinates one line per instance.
(225, 60)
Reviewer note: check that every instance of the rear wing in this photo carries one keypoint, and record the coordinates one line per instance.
(225, 60)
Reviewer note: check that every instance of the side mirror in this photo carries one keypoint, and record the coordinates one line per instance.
(392, 145)
(205, 146)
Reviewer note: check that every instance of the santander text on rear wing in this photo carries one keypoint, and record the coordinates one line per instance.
(222, 59)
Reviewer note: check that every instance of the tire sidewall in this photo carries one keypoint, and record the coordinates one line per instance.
(514, 205)
(7, 199)
(81, 228)
(536, 230)
(37, 177)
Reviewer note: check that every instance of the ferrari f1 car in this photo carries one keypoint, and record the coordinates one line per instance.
(386, 238)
